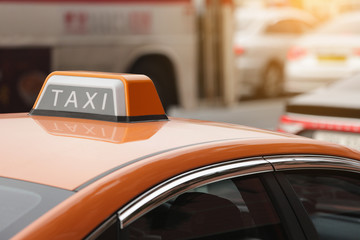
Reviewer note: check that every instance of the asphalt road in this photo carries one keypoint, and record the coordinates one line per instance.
(263, 113)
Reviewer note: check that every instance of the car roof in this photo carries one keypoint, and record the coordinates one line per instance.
(44, 149)
(340, 98)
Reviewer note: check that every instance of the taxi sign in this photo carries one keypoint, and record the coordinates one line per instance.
(100, 96)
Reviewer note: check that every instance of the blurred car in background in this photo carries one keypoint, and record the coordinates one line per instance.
(330, 113)
(261, 40)
(329, 53)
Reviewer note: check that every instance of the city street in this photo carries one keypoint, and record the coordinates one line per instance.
(260, 113)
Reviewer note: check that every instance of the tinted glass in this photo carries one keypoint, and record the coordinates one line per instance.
(110, 232)
(229, 209)
(288, 27)
(23, 202)
(332, 202)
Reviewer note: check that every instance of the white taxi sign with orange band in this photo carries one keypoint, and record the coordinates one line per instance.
(100, 96)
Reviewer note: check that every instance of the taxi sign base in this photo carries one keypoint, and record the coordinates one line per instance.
(50, 113)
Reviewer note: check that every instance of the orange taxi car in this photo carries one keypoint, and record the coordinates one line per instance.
(97, 158)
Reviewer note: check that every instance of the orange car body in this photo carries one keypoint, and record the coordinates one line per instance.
(108, 164)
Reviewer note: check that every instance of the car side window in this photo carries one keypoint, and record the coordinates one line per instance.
(304, 27)
(332, 202)
(229, 209)
(111, 233)
(287, 27)
(109, 230)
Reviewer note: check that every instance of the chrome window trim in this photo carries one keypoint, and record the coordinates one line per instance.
(189, 180)
(299, 162)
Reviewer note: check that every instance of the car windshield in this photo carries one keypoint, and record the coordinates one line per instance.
(340, 26)
(23, 202)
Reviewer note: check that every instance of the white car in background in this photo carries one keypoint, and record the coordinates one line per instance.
(261, 40)
(329, 53)
(330, 113)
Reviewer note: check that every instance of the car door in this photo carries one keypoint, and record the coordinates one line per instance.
(237, 199)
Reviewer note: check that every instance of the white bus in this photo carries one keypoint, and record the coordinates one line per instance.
(153, 37)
